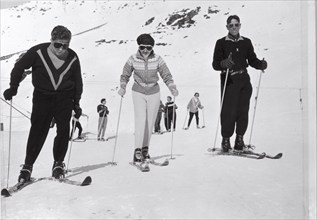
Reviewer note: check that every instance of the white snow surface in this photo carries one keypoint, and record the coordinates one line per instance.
(196, 184)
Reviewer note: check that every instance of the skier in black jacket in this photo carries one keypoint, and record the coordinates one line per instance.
(168, 116)
(235, 53)
(57, 81)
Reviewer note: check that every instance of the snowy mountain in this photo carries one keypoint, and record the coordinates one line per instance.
(196, 184)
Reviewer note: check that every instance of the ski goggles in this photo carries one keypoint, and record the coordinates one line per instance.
(59, 45)
(234, 25)
(148, 47)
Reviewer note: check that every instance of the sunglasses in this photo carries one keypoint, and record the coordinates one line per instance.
(59, 45)
(145, 47)
(234, 25)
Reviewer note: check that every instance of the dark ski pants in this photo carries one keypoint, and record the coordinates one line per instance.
(236, 104)
(168, 121)
(191, 115)
(45, 107)
(157, 124)
(76, 124)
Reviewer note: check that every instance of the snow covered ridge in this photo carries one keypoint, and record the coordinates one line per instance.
(165, 22)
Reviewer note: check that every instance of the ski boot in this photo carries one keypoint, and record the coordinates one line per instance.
(239, 143)
(58, 170)
(145, 153)
(225, 145)
(25, 173)
(137, 156)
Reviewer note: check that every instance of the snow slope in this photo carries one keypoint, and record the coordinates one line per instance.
(196, 184)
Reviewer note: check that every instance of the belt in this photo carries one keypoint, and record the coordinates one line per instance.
(232, 73)
(146, 84)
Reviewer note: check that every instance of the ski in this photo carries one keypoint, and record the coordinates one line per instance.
(143, 167)
(87, 181)
(249, 152)
(242, 154)
(6, 192)
(79, 139)
(154, 162)
(277, 156)
(246, 153)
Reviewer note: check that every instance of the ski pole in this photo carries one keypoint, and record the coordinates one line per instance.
(221, 105)
(71, 144)
(116, 137)
(172, 129)
(255, 104)
(185, 118)
(9, 153)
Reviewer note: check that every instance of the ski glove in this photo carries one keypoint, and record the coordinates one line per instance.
(121, 92)
(9, 93)
(77, 111)
(263, 65)
(227, 63)
(172, 88)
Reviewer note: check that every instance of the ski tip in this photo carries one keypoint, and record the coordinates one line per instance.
(87, 181)
(278, 156)
(166, 162)
(211, 149)
(113, 163)
(261, 156)
(5, 193)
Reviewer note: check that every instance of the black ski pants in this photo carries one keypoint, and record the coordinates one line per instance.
(168, 120)
(157, 125)
(236, 103)
(191, 115)
(45, 107)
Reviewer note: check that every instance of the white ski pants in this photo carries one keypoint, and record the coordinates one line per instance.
(145, 112)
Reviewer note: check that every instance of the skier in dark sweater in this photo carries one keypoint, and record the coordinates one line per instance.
(157, 124)
(168, 117)
(103, 112)
(235, 53)
(57, 81)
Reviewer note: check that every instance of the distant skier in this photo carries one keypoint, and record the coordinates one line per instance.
(103, 112)
(193, 106)
(58, 87)
(76, 124)
(168, 116)
(235, 53)
(157, 125)
(145, 65)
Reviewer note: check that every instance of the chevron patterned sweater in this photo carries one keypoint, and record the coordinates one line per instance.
(145, 73)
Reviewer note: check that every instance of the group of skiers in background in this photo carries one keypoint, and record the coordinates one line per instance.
(170, 120)
(164, 110)
(58, 86)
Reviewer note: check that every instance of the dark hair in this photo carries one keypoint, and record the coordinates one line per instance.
(196, 93)
(61, 33)
(169, 97)
(145, 39)
(233, 17)
(102, 100)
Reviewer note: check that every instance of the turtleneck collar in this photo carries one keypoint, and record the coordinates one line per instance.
(234, 38)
